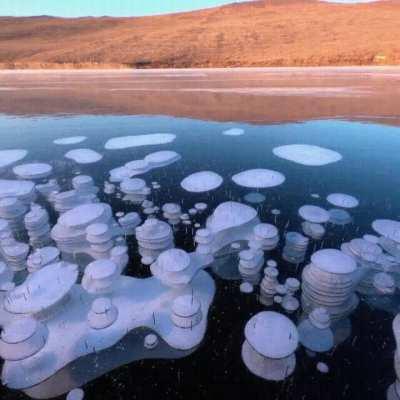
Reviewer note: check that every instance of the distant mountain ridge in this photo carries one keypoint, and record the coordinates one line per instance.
(256, 33)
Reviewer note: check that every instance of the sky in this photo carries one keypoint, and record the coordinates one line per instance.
(78, 8)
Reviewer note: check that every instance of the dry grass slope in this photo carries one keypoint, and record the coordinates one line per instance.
(260, 33)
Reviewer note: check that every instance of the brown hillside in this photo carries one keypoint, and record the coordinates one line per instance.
(259, 33)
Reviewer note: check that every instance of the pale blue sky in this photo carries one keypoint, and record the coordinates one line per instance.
(76, 8)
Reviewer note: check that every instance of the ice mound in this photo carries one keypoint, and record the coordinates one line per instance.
(258, 178)
(70, 140)
(306, 154)
(125, 142)
(33, 170)
(9, 157)
(84, 156)
(202, 181)
(231, 222)
(233, 132)
(270, 345)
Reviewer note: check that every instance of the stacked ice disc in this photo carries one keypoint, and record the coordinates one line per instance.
(102, 313)
(390, 236)
(42, 257)
(268, 285)
(100, 276)
(172, 212)
(6, 274)
(265, 237)
(99, 237)
(250, 264)
(5, 230)
(295, 247)
(129, 222)
(384, 283)
(38, 227)
(22, 338)
(119, 254)
(186, 311)
(70, 231)
(47, 188)
(13, 211)
(315, 333)
(174, 267)
(24, 191)
(85, 186)
(153, 236)
(135, 190)
(312, 230)
(14, 253)
(270, 345)
(33, 170)
(204, 239)
(65, 201)
(368, 257)
(329, 282)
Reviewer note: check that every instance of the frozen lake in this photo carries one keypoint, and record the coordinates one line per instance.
(225, 122)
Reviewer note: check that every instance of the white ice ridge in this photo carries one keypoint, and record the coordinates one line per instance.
(140, 303)
(84, 156)
(307, 154)
(33, 170)
(70, 140)
(9, 157)
(125, 142)
(22, 190)
(138, 167)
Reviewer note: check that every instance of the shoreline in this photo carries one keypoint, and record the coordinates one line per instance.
(335, 68)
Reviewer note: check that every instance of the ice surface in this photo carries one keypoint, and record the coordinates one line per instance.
(125, 142)
(306, 154)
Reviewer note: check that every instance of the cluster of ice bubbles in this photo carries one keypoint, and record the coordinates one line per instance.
(68, 280)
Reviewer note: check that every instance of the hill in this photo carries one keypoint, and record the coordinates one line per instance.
(258, 33)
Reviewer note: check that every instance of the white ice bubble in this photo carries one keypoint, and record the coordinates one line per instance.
(259, 178)
(70, 140)
(342, 200)
(125, 142)
(314, 214)
(306, 154)
(233, 132)
(9, 157)
(84, 156)
(202, 181)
